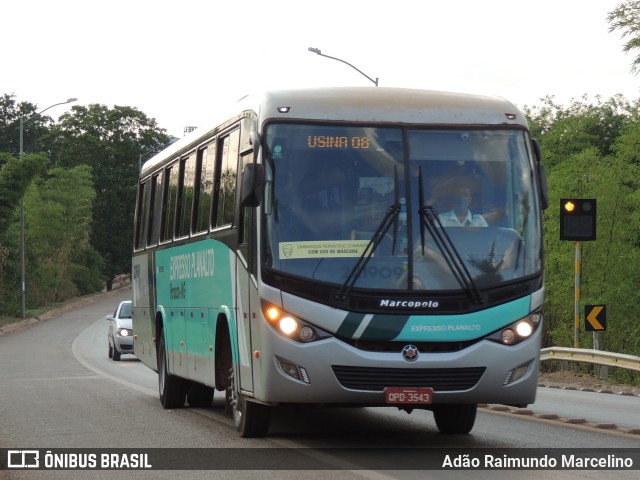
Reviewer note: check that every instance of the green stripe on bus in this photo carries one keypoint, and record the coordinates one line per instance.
(349, 325)
(468, 326)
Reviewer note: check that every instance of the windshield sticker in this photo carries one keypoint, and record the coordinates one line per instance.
(277, 152)
(322, 249)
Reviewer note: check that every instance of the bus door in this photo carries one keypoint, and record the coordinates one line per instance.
(248, 300)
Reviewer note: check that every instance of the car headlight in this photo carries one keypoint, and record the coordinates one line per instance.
(518, 331)
(124, 332)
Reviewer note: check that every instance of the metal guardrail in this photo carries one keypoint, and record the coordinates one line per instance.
(598, 357)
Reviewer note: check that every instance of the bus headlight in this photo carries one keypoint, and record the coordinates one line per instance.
(291, 326)
(306, 334)
(518, 331)
(288, 325)
(524, 329)
(508, 336)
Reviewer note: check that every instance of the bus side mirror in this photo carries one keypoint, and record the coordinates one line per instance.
(542, 175)
(254, 138)
(544, 187)
(252, 185)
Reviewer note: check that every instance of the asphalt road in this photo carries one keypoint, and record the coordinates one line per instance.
(58, 389)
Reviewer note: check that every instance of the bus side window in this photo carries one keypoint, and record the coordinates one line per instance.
(149, 210)
(185, 195)
(155, 210)
(204, 188)
(227, 178)
(142, 213)
(169, 203)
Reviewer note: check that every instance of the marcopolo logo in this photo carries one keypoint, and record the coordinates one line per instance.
(410, 353)
(414, 304)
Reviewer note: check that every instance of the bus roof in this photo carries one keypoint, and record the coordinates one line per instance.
(382, 104)
(361, 104)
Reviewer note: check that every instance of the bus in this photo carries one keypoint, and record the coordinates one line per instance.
(310, 249)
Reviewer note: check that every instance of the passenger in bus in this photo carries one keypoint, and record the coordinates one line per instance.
(460, 215)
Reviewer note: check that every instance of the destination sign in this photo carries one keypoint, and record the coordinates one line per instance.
(339, 142)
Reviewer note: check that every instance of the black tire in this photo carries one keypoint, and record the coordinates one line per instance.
(116, 354)
(110, 349)
(172, 389)
(199, 396)
(455, 418)
(250, 418)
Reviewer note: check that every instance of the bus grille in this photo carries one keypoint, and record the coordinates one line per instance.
(376, 379)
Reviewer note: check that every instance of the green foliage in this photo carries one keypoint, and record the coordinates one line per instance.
(86, 271)
(79, 214)
(59, 260)
(60, 210)
(34, 126)
(111, 142)
(584, 164)
(15, 176)
(626, 19)
(567, 130)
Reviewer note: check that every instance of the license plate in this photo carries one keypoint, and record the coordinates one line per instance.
(403, 395)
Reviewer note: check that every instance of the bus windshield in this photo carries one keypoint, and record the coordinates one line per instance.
(332, 189)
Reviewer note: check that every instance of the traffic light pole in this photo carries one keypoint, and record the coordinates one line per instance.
(578, 276)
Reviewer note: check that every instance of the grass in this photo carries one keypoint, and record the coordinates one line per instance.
(37, 312)
(7, 321)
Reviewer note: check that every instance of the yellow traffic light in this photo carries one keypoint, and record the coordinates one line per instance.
(577, 219)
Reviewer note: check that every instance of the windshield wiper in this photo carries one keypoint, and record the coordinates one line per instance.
(430, 220)
(390, 217)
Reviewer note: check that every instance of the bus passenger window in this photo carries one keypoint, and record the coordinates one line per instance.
(205, 178)
(154, 210)
(169, 203)
(185, 200)
(142, 213)
(228, 162)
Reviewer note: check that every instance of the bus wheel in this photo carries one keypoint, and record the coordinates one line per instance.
(251, 419)
(172, 389)
(455, 418)
(199, 396)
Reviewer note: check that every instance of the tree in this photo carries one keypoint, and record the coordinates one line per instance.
(566, 130)
(33, 131)
(60, 212)
(60, 262)
(626, 18)
(111, 142)
(15, 176)
(591, 150)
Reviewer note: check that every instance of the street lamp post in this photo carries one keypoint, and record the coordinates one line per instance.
(317, 50)
(23, 283)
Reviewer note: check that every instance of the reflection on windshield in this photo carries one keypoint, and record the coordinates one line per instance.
(329, 188)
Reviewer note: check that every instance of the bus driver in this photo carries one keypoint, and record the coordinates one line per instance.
(460, 215)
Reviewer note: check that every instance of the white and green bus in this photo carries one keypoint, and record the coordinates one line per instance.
(344, 246)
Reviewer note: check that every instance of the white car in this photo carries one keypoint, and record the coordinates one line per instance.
(120, 335)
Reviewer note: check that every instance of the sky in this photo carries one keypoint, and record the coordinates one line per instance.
(181, 61)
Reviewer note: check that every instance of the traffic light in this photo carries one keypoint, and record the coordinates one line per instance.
(578, 219)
